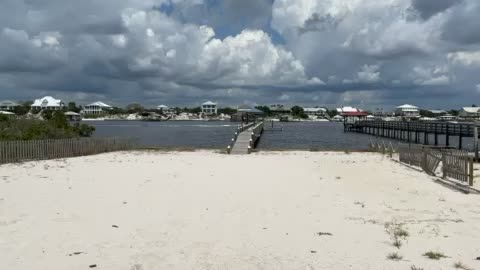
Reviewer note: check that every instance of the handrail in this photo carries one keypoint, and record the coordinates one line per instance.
(239, 130)
(256, 131)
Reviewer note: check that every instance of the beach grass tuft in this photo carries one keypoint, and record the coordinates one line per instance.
(460, 265)
(434, 255)
(397, 233)
(394, 256)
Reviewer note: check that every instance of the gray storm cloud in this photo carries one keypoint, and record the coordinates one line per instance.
(323, 52)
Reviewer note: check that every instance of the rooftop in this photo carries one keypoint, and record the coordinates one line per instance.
(8, 103)
(471, 109)
(100, 104)
(407, 106)
(348, 109)
(47, 101)
(314, 109)
(209, 103)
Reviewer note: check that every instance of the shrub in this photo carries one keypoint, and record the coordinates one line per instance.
(56, 126)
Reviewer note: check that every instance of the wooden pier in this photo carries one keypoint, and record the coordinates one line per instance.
(417, 132)
(245, 139)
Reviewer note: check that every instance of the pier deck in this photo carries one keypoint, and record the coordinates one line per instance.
(414, 131)
(246, 139)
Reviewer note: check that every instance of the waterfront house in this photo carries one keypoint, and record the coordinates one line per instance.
(73, 116)
(316, 112)
(209, 107)
(48, 103)
(437, 113)
(96, 108)
(447, 117)
(8, 105)
(250, 110)
(165, 109)
(247, 114)
(470, 112)
(347, 109)
(407, 111)
(351, 114)
(337, 118)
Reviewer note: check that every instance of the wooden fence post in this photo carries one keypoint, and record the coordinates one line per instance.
(475, 141)
(470, 175)
(444, 165)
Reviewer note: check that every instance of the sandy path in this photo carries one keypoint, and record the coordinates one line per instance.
(203, 211)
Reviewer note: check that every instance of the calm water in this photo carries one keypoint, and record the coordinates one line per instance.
(196, 134)
(217, 135)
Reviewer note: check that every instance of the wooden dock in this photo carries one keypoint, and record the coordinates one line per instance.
(416, 132)
(246, 139)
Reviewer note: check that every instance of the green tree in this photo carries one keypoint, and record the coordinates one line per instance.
(117, 110)
(72, 107)
(23, 108)
(332, 113)
(265, 109)
(426, 113)
(298, 111)
(135, 108)
(454, 112)
(227, 110)
(195, 110)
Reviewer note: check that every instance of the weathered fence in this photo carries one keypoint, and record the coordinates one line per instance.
(383, 147)
(456, 164)
(19, 151)
(411, 154)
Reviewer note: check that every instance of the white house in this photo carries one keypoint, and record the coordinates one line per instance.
(408, 111)
(165, 109)
(96, 108)
(8, 105)
(348, 109)
(209, 107)
(48, 103)
(322, 112)
(470, 112)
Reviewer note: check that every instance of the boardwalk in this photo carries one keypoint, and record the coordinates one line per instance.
(245, 140)
(414, 131)
(242, 144)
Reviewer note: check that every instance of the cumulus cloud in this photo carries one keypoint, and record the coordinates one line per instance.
(465, 58)
(311, 51)
(402, 47)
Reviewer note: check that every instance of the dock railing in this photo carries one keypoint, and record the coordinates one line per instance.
(240, 128)
(21, 151)
(255, 135)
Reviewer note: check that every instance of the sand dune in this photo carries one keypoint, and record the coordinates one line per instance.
(202, 210)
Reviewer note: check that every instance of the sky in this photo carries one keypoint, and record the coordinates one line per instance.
(365, 53)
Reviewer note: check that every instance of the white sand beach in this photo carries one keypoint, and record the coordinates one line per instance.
(204, 210)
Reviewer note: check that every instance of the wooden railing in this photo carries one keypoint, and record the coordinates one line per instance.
(454, 129)
(240, 129)
(256, 133)
(20, 151)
